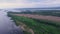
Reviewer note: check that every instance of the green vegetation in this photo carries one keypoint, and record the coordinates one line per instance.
(26, 32)
(39, 27)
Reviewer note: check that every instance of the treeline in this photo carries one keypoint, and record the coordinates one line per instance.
(39, 12)
(43, 12)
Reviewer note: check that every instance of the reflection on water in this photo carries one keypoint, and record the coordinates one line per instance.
(7, 26)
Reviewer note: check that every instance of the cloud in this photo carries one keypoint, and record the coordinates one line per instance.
(29, 3)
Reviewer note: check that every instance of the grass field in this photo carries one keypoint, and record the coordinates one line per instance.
(38, 26)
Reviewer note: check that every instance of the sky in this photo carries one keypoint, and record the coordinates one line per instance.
(29, 3)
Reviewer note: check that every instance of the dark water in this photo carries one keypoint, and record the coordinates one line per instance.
(7, 26)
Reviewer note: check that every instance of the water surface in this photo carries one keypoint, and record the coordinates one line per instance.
(7, 26)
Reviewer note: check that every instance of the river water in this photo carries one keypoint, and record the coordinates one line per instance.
(7, 26)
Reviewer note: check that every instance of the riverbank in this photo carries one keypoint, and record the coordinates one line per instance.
(36, 27)
(24, 27)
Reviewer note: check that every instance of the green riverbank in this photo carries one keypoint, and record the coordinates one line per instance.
(37, 27)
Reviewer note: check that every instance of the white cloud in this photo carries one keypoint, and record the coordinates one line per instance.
(29, 3)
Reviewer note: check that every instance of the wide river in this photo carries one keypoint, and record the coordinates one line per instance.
(7, 26)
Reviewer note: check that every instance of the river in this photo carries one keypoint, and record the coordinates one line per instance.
(7, 26)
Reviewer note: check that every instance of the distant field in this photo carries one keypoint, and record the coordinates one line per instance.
(51, 18)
